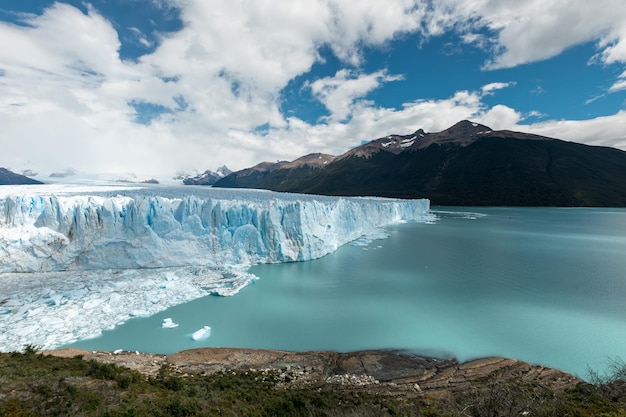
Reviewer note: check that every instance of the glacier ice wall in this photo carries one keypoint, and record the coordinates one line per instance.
(53, 233)
(75, 263)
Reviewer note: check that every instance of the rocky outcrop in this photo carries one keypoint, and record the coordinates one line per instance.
(391, 372)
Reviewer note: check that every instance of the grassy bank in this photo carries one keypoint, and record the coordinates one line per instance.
(32, 384)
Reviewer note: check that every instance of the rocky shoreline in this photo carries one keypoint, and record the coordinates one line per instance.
(389, 372)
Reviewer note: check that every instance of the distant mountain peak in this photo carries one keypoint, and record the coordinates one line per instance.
(208, 177)
(391, 143)
(462, 133)
(223, 171)
(467, 127)
(314, 160)
(318, 160)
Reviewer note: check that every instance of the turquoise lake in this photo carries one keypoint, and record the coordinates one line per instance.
(544, 285)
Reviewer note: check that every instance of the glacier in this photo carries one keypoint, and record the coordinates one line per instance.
(78, 260)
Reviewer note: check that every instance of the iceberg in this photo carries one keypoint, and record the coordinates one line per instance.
(98, 256)
(201, 334)
(168, 323)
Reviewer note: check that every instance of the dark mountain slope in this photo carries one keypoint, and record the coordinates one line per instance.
(469, 164)
(8, 178)
(280, 176)
(490, 171)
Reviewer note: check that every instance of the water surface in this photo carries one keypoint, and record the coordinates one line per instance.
(545, 285)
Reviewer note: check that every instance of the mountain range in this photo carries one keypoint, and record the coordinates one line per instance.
(466, 164)
(206, 178)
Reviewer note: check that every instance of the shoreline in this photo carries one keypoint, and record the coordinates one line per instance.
(394, 371)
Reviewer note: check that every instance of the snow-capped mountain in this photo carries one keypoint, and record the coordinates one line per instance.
(207, 177)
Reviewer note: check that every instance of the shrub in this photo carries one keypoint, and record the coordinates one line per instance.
(612, 385)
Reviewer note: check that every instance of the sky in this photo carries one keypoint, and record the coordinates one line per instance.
(157, 87)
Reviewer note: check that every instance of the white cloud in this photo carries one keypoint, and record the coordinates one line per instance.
(620, 84)
(500, 117)
(533, 30)
(65, 88)
(490, 88)
(65, 93)
(140, 37)
(534, 113)
(614, 44)
(599, 131)
(340, 93)
(369, 22)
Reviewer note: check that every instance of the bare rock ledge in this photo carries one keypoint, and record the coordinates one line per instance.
(399, 372)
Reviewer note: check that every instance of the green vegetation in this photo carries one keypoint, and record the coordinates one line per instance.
(32, 384)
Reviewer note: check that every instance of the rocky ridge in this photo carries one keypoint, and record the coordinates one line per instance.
(389, 372)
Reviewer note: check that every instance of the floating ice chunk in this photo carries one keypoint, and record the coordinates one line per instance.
(201, 334)
(118, 351)
(168, 323)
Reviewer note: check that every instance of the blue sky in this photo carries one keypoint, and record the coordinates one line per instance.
(160, 86)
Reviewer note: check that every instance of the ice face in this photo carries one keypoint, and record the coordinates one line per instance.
(40, 233)
(72, 264)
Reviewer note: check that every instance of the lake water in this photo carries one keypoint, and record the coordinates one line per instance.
(545, 285)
